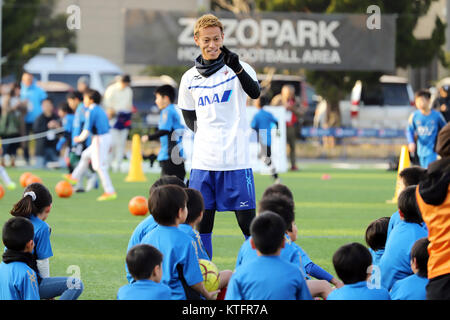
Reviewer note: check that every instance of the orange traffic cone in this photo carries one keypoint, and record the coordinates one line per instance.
(135, 173)
(404, 162)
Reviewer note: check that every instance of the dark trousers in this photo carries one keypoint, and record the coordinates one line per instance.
(438, 288)
(291, 138)
(168, 168)
(26, 144)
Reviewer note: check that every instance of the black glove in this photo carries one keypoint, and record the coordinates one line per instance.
(231, 59)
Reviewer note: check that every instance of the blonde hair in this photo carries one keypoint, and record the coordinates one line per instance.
(205, 21)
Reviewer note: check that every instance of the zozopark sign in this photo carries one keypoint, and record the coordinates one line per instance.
(298, 40)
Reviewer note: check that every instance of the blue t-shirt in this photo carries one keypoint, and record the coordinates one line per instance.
(179, 254)
(426, 127)
(267, 278)
(376, 255)
(42, 245)
(309, 268)
(97, 122)
(144, 290)
(35, 95)
(199, 249)
(289, 253)
(263, 122)
(78, 123)
(410, 288)
(395, 262)
(18, 282)
(304, 259)
(169, 120)
(67, 123)
(395, 219)
(358, 291)
(144, 227)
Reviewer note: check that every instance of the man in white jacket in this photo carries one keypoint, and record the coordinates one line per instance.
(118, 101)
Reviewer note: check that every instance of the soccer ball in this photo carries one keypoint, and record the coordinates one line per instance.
(23, 178)
(33, 179)
(138, 206)
(63, 189)
(210, 274)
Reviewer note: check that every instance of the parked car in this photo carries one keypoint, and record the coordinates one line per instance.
(144, 97)
(272, 85)
(57, 64)
(384, 105)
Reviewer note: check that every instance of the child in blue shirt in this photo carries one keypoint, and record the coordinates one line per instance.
(395, 262)
(149, 223)
(267, 276)
(352, 263)
(284, 207)
(376, 234)
(424, 123)
(170, 132)
(75, 101)
(263, 123)
(414, 286)
(407, 177)
(181, 270)
(196, 207)
(145, 265)
(66, 115)
(97, 125)
(35, 205)
(318, 287)
(18, 280)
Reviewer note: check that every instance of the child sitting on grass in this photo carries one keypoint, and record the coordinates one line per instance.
(352, 263)
(145, 265)
(181, 270)
(196, 207)
(414, 286)
(267, 276)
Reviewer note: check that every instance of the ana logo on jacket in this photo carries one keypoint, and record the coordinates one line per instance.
(215, 98)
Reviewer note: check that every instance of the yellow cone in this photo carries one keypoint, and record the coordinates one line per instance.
(404, 162)
(136, 174)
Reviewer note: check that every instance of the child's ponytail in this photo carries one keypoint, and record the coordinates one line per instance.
(35, 198)
(24, 207)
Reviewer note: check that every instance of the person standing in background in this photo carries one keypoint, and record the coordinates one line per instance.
(45, 150)
(33, 95)
(442, 102)
(288, 100)
(82, 84)
(118, 101)
(12, 122)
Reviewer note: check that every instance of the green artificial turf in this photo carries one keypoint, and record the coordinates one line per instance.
(93, 236)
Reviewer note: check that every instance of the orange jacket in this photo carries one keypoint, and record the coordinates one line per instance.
(437, 219)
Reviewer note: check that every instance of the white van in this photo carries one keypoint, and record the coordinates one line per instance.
(57, 64)
(384, 105)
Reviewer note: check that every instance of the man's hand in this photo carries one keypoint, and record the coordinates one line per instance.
(111, 113)
(231, 59)
(53, 124)
(443, 108)
(77, 139)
